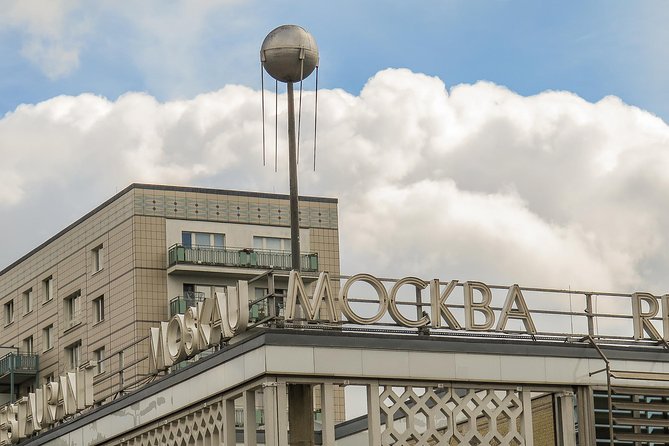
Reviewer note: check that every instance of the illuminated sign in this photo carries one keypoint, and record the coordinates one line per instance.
(226, 314)
(49, 404)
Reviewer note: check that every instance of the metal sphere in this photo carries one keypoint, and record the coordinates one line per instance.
(288, 52)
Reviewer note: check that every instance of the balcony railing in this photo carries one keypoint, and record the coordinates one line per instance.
(180, 304)
(19, 363)
(238, 257)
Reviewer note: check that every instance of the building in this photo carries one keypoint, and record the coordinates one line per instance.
(427, 361)
(91, 292)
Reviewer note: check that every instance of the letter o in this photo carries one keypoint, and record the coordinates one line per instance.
(175, 338)
(381, 293)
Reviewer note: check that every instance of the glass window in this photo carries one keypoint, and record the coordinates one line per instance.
(72, 303)
(99, 309)
(28, 300)
(100, 359)
(97, 258)
(190, 239)
(9, 312)
(74, 355)
(28, 345)
(48, 288)
(47, 337)
(271, 243)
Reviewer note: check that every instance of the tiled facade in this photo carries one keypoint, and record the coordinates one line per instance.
(130, 231)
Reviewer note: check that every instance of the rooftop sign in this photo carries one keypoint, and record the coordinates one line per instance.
(227, 313)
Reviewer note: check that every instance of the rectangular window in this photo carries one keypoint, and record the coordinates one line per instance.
(72, 304)
(28, 345)
(271, 243)
(100, 359)
(47, 337)
(9, 312)
(73, 353)
(28, 301)
(51, 377)
(47, 285)
(99, 309)
(202, 239)
(97, 258)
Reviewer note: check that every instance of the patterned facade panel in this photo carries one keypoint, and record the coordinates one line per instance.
(425, 415)
(232, 208)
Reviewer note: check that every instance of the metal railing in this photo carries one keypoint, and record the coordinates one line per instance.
(19, 362)
(238, 257)
(180, 304)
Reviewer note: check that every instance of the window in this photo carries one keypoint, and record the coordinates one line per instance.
(99, 309)
(100, 359)
(28, 301)
(72, 303)
(97, 258)
(51, 377)
(73, 353)
(9, 312)
(28, 345)
(271, 243)
(47, 337)
(199, 239)
(47, 285)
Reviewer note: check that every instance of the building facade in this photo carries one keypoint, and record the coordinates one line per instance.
(91, 292)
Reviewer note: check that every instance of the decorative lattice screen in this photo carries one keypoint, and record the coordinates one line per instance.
(445, 415)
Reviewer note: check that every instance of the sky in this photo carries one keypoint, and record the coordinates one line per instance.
(503, 141)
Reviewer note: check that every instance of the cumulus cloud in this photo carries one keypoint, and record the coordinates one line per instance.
(475, 182)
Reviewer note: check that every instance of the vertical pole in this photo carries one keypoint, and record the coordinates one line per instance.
(120, 372)
(588, 312)
(292, 172)
(300, 396)
(11, 377)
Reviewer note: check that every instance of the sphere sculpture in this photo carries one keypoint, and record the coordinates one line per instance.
(289, 53)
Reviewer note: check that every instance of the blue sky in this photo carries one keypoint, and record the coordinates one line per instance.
(592, 48)
(504, 141)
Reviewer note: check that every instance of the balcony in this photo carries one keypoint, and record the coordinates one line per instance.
(17, 368)
(180, 304)
(238, 258)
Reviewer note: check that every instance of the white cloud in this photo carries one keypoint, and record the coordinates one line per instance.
(52, 34)
(476, 183)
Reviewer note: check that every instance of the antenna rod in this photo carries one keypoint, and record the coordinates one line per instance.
(292, 172)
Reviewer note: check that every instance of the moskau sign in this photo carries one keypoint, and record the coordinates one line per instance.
(226, 314)
(49, 404)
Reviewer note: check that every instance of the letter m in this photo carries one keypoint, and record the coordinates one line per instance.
(296, 294)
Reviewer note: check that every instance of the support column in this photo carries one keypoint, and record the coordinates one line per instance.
(526, 424)
(250, 421)
(275, 406)
(301, 414)
(566, 428)
(229, 430)
(327, 413)
(374, 417)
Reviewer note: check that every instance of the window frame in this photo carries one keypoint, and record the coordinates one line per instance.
(72, 310)
(97, 262)
(73, 352)
(99, 309)
(9, 312)
(48, 287)
(99, 355)
(47, 338)
(28, 301)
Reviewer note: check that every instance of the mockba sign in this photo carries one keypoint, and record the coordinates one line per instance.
(226, 314)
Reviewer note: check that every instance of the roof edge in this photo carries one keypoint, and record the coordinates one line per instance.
(162, 187)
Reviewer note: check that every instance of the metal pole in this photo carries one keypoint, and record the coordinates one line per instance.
(292, 172)
(300, 396)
